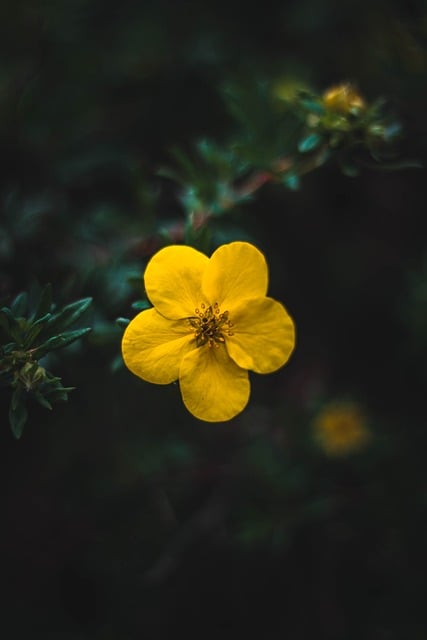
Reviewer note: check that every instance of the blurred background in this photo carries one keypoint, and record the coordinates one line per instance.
(122, 515)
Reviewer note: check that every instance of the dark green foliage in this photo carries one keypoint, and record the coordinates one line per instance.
(128, 126)
(28, 336)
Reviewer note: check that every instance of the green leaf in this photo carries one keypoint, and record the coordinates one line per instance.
(313, 106)
(122, 322)
(141, 305)
(19, 305)
(45, 303)
(6, 349)
(310, 142)
(59, 341)
(190, 170)
(165, 172)
(68, 314)
(398, 165)
(42, 400)
(34, 330)
(349, 170)
(18, 413)
(16, 398)
(200, 238)
(292, 181)
(60, 394)
(117, 363)
(12, 321)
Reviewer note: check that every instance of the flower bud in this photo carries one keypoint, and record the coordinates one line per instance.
(32, 375)
(344, 99)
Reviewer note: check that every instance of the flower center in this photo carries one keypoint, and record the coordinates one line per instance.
(210, 325)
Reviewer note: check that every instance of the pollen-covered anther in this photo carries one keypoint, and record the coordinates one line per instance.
(210, 325)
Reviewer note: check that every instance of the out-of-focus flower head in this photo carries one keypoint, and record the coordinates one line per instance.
(340, 428)
(344, 99)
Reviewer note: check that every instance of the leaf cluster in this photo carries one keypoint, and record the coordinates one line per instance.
(359, 136)
(28, 334)
(279, 140)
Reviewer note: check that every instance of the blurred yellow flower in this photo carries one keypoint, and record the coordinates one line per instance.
(210, 323)
(340, 428)
(343, 99)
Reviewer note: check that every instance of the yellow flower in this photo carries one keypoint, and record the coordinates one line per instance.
(340, 428)
(210, 323)
(343, 99)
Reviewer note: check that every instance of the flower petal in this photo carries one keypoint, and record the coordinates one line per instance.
(263, 335)
(173, 279)
(213, 387)
(235, 271)
(153, 347)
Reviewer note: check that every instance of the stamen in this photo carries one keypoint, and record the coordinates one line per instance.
(210, 325)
